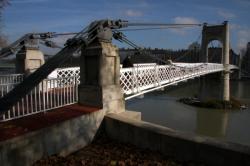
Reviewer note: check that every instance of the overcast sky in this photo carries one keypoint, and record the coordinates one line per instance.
(24, 16)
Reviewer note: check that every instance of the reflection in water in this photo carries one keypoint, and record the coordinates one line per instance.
(162, 108)
(212, 123)
(238, 90)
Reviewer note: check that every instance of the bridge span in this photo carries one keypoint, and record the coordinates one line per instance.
(61, 86)
(144, 78)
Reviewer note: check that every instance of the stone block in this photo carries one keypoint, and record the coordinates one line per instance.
(131, 115)
(109, 98)
(29, 60)
(100, 77)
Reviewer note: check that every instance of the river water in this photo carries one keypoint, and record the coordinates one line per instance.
(162, 107)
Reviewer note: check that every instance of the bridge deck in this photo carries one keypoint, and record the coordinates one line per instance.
(61, 86)
(17, 127)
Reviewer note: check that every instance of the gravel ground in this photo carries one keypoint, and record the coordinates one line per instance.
(104, 151)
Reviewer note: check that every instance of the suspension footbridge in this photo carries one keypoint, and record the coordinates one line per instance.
(50, 87)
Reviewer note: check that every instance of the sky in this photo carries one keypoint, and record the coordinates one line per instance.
(24, 16)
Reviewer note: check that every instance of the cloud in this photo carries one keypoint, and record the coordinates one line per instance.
(225, 14)
(183, 20)
(243, 38)
(241, 34)
(133, 13)
(235, 27)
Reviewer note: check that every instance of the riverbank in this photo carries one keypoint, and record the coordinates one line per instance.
(104, 151)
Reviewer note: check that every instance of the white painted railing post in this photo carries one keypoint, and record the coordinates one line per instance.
(134, 80)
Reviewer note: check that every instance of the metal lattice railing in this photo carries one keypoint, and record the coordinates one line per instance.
(7, 82)
(49, 94)
(147, 77)
(11, 78)
(61, 86)
(142, 79)
(65, 73)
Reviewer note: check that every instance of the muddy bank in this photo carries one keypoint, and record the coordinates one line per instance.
(233, 104)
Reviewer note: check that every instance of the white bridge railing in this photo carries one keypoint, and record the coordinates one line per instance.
(7, 82)
(142, 79)
(61, 86)
(49, 94)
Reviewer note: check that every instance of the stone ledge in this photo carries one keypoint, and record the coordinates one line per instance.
(63, 138)
(182, 146)
(131, 115)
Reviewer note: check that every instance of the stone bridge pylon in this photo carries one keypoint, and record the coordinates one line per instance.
(220, 33)
(100, 77)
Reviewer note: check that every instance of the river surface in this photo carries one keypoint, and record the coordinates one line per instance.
(162, 107)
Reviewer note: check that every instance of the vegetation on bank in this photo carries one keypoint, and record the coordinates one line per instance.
(233, 104)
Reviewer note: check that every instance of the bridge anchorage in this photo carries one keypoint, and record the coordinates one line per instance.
(99, 81)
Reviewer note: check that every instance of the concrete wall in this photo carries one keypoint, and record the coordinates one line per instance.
(62, 139)
(72, 135)
(179, 145)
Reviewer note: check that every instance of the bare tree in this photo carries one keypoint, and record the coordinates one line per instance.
(3, 4)
(3, 38)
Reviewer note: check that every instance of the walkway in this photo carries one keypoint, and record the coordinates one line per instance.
(38, 121)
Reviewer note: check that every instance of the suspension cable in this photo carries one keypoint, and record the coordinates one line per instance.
(65, 34)
(186, 53)
(153, 28)
(160, 24)
(122, 38)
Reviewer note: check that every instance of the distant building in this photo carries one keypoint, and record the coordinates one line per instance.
(248, 46)
(245, 66)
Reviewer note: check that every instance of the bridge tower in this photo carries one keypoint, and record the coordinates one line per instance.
(100, 77)
(220, 33)
(28, 59)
